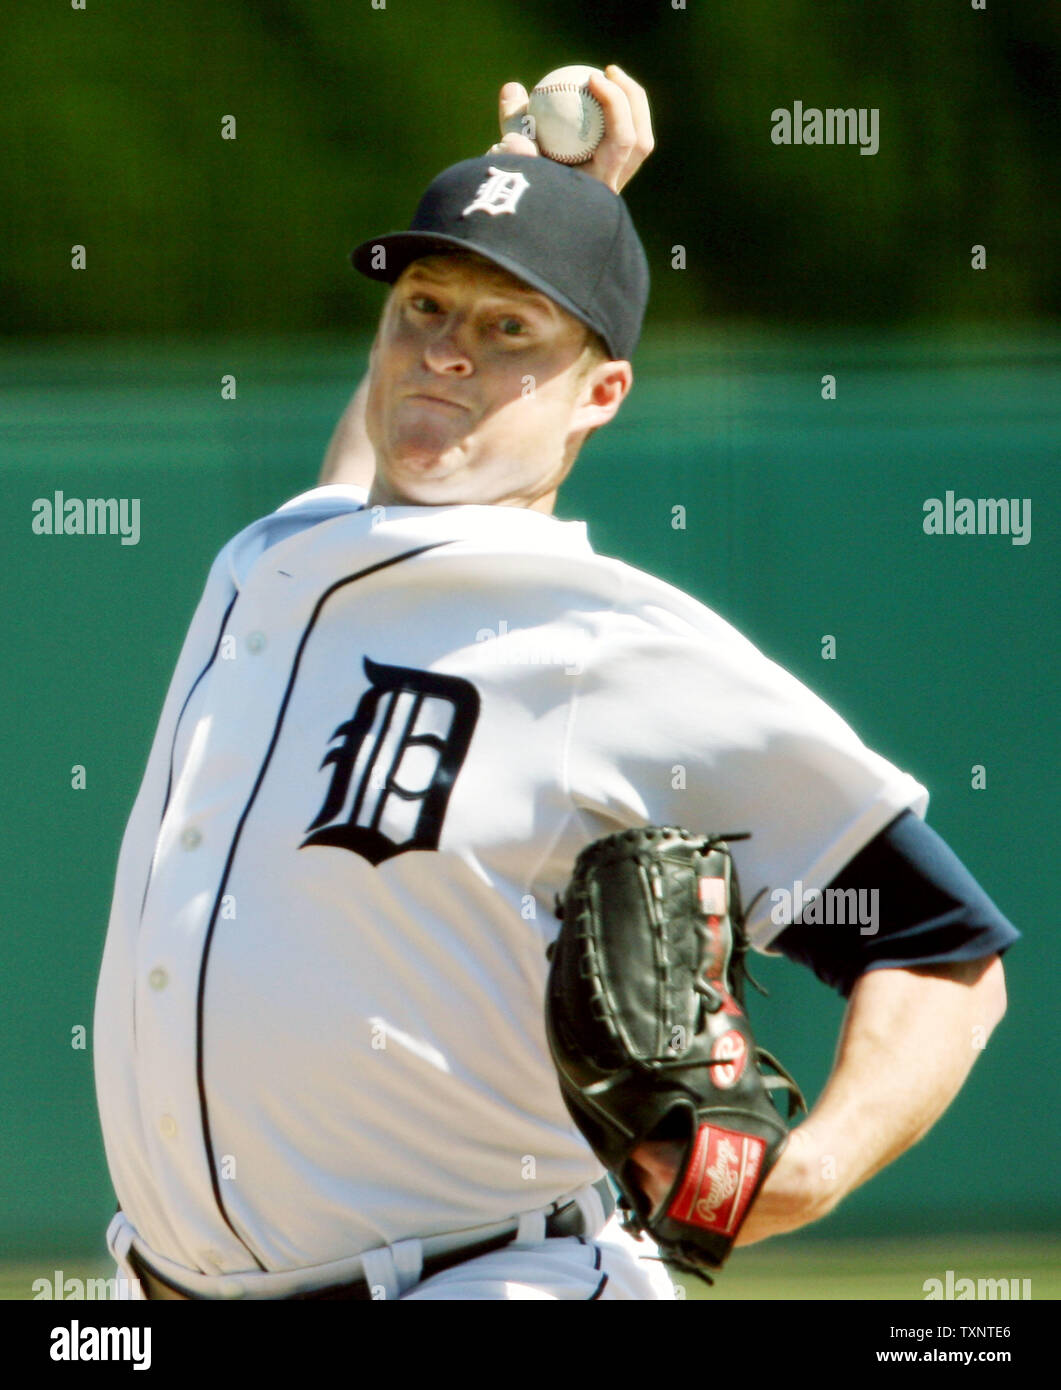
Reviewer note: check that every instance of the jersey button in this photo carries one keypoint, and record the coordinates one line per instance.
(168, 1126)
(190, 837)
(256, 642)
(158, 979)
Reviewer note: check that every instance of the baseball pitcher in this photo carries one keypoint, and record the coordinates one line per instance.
(424, 974)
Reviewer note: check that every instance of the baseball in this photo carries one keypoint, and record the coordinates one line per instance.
(568, 120)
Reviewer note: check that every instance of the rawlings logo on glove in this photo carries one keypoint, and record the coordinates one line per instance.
(646, 1024)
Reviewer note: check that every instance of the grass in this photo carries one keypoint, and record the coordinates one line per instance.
(892, 1268)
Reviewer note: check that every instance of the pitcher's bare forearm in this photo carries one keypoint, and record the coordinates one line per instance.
(908, 1042)
(350, 457)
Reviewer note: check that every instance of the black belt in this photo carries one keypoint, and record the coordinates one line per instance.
(567, 1221)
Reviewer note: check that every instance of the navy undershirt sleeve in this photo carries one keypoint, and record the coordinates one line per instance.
(930, 910)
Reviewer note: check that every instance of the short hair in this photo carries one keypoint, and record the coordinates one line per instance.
(596, 350)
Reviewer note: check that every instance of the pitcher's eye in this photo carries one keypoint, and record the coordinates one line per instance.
(512, 327)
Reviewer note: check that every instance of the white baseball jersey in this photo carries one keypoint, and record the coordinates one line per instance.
(319, 1026)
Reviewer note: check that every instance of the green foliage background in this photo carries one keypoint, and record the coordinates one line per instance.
(111, 126)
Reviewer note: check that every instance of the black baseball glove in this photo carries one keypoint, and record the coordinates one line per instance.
(646, 1024)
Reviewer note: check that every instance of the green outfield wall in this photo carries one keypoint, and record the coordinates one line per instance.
(730, 472)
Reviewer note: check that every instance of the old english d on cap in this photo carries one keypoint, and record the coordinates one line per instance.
(556, 229)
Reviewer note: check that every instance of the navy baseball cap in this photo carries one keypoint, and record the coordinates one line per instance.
(556, 229)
